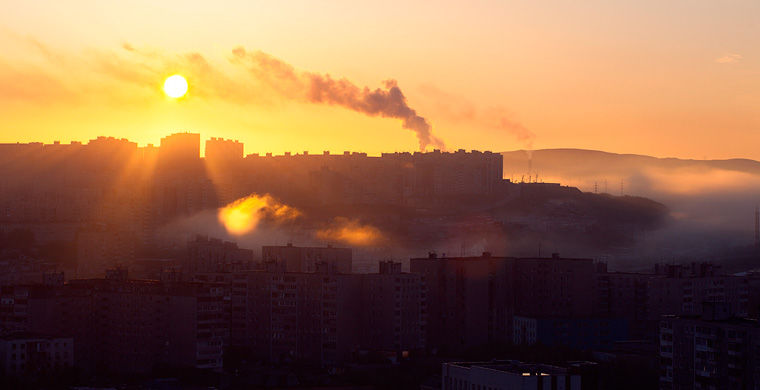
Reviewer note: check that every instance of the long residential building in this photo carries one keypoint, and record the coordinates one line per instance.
(715, 350)
(291, 258)
(126, 326)
(672, 289)
(474, 300)
(326, 317)
(26, 353)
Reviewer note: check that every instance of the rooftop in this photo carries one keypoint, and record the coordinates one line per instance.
(516, 367)
(28, 336)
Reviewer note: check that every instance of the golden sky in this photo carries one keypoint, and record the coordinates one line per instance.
(667, 78)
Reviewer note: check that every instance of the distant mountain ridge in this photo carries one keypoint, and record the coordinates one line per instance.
(601, 161)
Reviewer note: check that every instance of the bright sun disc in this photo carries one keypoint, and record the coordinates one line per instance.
(175, 86)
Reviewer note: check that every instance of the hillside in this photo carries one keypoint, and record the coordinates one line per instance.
(711, 202)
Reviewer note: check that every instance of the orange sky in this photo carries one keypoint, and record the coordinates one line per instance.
(675, 78)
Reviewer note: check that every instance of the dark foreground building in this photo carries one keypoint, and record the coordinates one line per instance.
(508, 375)
(126, 326)
(26, 353)
(476, 300)
(711, 351)
(326, 317)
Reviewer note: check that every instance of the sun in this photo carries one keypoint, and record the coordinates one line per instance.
(175, 86)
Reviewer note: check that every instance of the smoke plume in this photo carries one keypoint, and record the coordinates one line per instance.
(458, 109)
(387, 102)
(131, 76)
(499, 119)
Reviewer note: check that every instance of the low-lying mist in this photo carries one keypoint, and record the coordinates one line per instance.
(258, 220)
(712, 202)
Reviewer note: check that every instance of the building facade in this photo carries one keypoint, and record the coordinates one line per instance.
(291, 258)
(30, 354)
(712, 351)
(130, 326)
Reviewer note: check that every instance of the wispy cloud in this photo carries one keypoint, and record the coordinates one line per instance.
(729, 58)
(458, 109)
(131, 74)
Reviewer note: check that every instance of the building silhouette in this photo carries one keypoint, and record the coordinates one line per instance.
(306, 259)
(714, 350)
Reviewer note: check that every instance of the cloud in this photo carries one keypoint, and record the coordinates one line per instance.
(31, 83)
(729, 58)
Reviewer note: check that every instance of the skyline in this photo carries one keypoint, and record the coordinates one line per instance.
(495, 194)
(665, 77)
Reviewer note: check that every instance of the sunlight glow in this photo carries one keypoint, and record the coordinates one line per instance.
(243, 215)
(350, 232)
(175, 86)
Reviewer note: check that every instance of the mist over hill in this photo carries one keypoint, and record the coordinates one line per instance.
(149, 201)
(711, 202)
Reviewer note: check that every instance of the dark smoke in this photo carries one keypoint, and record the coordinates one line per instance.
(316, 88)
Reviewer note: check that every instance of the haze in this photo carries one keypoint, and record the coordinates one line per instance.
(380, 195)
(678, 78)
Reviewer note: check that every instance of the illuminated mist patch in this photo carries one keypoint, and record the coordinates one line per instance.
(350, 232)
(243, 215)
